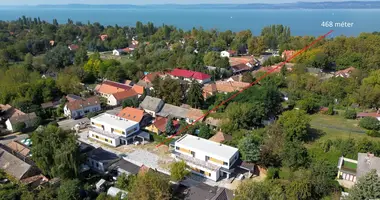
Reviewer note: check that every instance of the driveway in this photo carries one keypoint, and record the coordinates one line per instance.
(67, 124)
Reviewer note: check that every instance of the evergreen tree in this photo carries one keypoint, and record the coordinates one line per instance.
(367, 187)
(170, 129)
(195, 98)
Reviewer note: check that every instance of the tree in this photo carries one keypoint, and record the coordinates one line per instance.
(247, 77)
(350, 114)
(330, 110)
(294, 155)
(28, 60)
(80, 56)
(59, 57)
(204, 131)
(308, 104)
(132, 102)
(367, 187)
(244, 115)
(256, 46)
(150, 186)
(169, 127)
(295, 124)
(125, 181)
(369, 92)
(370, 123)
(195, 96)
(69, 83)
(69, 190)
(253, 190)
(178, 171)
(249, 148)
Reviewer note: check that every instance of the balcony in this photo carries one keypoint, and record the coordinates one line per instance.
(104, 133)
(195, 161)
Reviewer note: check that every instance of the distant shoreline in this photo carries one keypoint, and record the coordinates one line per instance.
(297, 5)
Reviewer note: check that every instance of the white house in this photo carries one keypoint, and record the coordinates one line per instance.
(118, 98)
(206, 158)
(80, 107)
(28, 119)
(112, 130)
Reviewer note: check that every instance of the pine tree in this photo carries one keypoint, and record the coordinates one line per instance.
(170, 129)
(367, 187)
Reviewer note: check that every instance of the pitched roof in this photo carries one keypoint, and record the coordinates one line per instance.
(201, 76)
(111, 87)
(138, 89)
(83, 103)
(345, 72)
(9, 111)
(240, 67)
(124, 95)
(132, 114)
(19, 148)
(151, 76)
(372, 114)
(102, 156)
(194, 114)
(174, 111)
(151, 103)
(72, 97)
(41, 178)
(240, 60)
(189, 74)
(161, 122)
(221, 137)
(126, 166)
(13, 165)
(22, 118)
(225, 86)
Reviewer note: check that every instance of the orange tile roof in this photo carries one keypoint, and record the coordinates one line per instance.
(224, 86)
(138, 89)
(124, 95)
(151, 76)
(132, 114)
(194, 114)
(161, 122)
(110, 87)
(240, 60)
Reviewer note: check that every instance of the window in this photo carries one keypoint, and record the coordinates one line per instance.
(207, 158)
(97, 165)
(177, 148)
(92, 123)
(112, 130)
(97, 136)
(193, 153)
(106, 140)
(111, 141)
(225, 163)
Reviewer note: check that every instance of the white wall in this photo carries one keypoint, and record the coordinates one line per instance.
(224, 54)
(95, 165)
(214, 174)
(80, 112)
(115, 142)
(112, 101)
(9, 125)
(108, 127)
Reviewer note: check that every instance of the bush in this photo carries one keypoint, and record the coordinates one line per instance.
(19, 126)
(54, 123)
(373, 133)
(350, 114)
(330, 111)
(273, 173)
(370, 123)
(91, 114)
(178, 171)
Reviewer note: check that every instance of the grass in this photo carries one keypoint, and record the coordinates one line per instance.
(337, 127)
(349, 165)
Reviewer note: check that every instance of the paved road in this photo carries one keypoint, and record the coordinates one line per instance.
(67, 124)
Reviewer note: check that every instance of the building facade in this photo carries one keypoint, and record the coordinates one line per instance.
(206, 158)
(112, 130)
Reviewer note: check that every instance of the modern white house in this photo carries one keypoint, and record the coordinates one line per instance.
(80, 107)
(112, 130)
(206, 158)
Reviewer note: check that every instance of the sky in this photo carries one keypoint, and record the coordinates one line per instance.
(143, 2)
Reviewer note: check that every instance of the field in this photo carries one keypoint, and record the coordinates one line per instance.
(334, 127)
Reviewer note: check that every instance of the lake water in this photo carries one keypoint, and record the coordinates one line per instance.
(301, 22)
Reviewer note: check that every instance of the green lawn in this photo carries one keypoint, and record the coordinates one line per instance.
(334, 127)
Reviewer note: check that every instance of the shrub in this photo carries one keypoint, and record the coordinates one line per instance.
(91, 114)
(330, 111)
(54, 123)
(350, 114)
(373, 133)
(273, 173)
(370, 123)
(178, 171)
(19, 126)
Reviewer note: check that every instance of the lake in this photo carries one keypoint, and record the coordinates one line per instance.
(301, 21)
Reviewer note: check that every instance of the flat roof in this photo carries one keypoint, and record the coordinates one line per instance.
(114, 121)
(212, 148)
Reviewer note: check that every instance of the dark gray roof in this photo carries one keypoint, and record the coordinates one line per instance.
(173, 111)
(223, 194)
(102, 156)
(151, 103)
(126, 166)
(144, 84)
(200, 191)
(13, 165)
(366, 163)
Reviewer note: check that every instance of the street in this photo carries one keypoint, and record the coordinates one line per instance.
(68, 124)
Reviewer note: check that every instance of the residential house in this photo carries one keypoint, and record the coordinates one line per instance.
(149, 78)
(221, 137)
(29, 120)
(152, 105)
(351, 170)
(14, 166)
(239, 68)
(202, 191)
(159, 125)
(213, 122)
(138, 89)
(79, 108)
(35, 181)
(223, 87)
(124, 167)
(72, 97)
(99, 159)
(287, 54)
(112, 130)
(173, 111)
(106, 88)
(206, 158)
(136, 115)
(193, 115)
(119, 52)
(345, 73)
(371, 114)
(73, 47)
(19, 148)
(116, 99)
(229, 53)
(189, 75)
(103, 37)
(7, 111)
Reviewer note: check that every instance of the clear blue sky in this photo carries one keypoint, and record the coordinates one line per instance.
(139, 2)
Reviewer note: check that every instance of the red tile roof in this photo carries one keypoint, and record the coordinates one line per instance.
(373, 114)
(138, 89)
(124, 95)
(83, 103)
(189, 74)
(151, 76)
(132, 114)
(161, 122)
